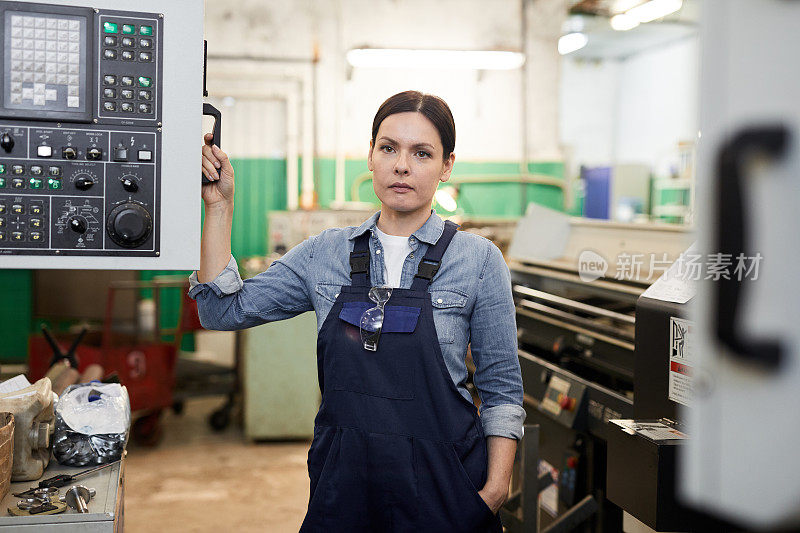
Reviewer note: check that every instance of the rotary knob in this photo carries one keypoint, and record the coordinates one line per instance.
(84, 183)
(7, 142)
(130, 184)
(78, 224)
(129, 225)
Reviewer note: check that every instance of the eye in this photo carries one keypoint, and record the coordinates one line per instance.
(386, 149)
(423, 153)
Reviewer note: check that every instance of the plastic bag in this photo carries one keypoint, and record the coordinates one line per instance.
(92, 424)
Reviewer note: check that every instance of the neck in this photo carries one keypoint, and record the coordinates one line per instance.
(402, 224)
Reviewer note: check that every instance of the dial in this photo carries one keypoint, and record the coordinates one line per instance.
(7, 142)
(78, 224)
(83, 181)
(130, 182)
(129, 225)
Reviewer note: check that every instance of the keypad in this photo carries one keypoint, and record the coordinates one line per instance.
(128, 43)
(45, 53)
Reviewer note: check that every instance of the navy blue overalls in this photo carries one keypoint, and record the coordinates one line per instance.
(396, 447)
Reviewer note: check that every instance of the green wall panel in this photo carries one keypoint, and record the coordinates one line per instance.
(16, 287)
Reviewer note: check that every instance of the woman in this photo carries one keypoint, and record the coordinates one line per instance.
(398, 444)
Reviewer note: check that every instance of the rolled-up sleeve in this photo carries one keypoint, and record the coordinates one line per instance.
(280, 292)
(493, 337)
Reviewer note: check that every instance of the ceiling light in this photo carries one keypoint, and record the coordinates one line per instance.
(623, 22)
(441, 59)
(571, 42)
(654, 9)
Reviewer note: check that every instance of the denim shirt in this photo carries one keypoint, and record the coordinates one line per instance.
(470, 294)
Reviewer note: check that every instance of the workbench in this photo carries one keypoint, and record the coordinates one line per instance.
(105, 508)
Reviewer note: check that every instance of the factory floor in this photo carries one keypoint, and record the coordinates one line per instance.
(197, 480)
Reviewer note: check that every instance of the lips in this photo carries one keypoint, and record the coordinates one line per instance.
(400, 186)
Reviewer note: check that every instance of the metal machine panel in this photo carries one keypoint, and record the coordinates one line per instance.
(100, 118)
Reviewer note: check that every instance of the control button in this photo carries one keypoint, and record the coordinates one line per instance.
(145, 30)
(145, 155)
(18, 183)
(83, 183)
(94, 154)
(2, 222)
(109, 93)
(2, 235)
(127, 55)
(110, 27)
(18, 209)
(36, 236)
(54, 184)
(77, 224)
(7, 142)
(36, 170)
(54, 171)
(17, 236)
(145, 57)
(44, 151)
(144, 81)
(145, 108)
(145, 43)
(2, 183)
(127, 93)
(127, 81)
(128, 29)
(2, 209)
(120, 154)
(35, 183)
(144, 94)
(110, 40)
(17, 169)
(127, 107)
(2, 169)
(35, 223)
(129, 42)
(110, 79)
(109, 106)
(69, 152)
(109, 53)
(36, 209)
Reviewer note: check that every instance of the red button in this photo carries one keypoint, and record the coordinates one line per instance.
(572, 462)
(566, 403)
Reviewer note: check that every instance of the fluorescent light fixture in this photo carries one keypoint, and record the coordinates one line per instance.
(654, 9)
(623, 22)
(441, 59)
(444, 197)
(571, 42)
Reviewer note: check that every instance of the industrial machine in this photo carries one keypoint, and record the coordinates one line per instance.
(100, 119)
(576, 283)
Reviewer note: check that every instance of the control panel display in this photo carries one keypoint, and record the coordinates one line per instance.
(80, 131)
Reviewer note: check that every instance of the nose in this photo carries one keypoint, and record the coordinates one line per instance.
(401, 165)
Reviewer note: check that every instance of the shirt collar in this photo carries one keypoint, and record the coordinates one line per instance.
(429, 232)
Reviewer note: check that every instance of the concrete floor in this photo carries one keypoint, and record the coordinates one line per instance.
(196, 480)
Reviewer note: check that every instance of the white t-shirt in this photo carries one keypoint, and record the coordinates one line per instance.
(395, 251)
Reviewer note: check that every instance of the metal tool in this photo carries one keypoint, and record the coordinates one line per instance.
(45, 494)
(78, 498)
(61, 480)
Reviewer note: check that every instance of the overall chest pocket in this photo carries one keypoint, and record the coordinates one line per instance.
(387, 372)
(447, 309)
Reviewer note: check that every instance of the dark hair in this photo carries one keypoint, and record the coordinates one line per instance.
(434, 108)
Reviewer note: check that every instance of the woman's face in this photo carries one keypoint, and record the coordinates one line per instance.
(406, 162)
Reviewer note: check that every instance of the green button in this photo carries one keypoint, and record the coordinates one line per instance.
(2, 169)
(144, 81)
(35, 184)
(2, 183)
(145, 30)
(110, 27)
(128, 29)
(54, 184)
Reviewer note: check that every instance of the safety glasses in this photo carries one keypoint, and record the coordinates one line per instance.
(371, 321)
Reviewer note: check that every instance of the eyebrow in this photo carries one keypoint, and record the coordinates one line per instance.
(417, 145)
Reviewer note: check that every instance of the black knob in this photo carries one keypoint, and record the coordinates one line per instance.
(7, 142)
(130, 185)
(84, 183)
(94, 154)
(77, 224)
(69, 152)
(129, 225)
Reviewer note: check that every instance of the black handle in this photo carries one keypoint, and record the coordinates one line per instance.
(210, 110)
(732, 237)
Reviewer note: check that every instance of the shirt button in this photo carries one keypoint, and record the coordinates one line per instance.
(411, 255)
(439, 301)
(377, 251)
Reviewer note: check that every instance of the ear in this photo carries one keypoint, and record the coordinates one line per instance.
(369, 157)
(448, 167)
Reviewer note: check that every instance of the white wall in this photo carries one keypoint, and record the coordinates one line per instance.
(633, 111)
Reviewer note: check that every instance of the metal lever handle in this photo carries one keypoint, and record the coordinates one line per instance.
(210, 110)
(732, 237)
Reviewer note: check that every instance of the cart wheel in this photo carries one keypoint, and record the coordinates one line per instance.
(178, 407)
(147, 430)
(220, 419)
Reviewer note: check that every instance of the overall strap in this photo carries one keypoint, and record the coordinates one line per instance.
(359, 261)
(429, 265)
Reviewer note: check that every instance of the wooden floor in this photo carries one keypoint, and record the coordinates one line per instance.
(196, 480)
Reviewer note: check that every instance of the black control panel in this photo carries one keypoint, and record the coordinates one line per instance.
(80, 131)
